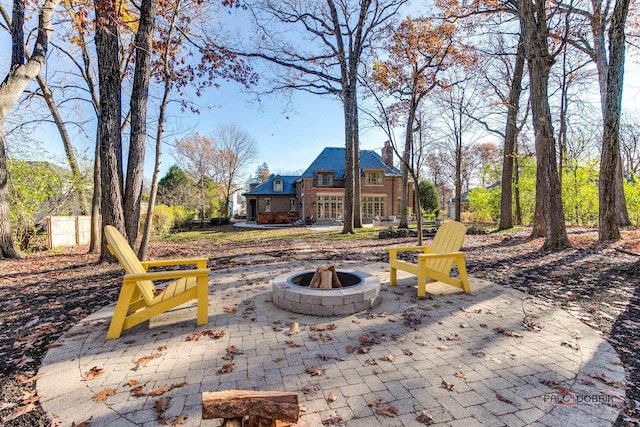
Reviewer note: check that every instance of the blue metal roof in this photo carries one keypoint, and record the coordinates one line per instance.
(333, 159)
(266, 188)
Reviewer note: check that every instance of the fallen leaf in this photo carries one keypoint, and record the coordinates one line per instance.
(212, 333)
(388, 358)
(146, 359)
(93, 373)
(324, 356)
(315, 371)
(320, 328)
(179, 420)
(162, 404)
(292, 344)
(225, 369)
(165, 389)
(449, 386)
(370, 362)
(374, 402)
(407, 352)
(102, 395)
(139, 391)
(85, 423)
(332, 420)
(332, 397)
(442, 348)
(612, 383)
(460, 375)
(229, 309)
(387, 411)
(424, 417)
(508, 333)
(501, 398)
(572, 346)
(132, 383)
(18, 412)
(232, 350)
(310, 389)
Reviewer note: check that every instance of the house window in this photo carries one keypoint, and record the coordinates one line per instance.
(330, 207)
(374, 206)
(325, 179)
(373, 178)
(292, 205)
(267, 205)
(277, 185)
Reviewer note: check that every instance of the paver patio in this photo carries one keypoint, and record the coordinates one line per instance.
(495, 357)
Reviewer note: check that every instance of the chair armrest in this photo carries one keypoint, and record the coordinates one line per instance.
(424, 249)
(199, 262)
(163, 275)
(443, 255)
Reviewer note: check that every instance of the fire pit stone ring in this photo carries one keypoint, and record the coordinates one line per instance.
(361, 296)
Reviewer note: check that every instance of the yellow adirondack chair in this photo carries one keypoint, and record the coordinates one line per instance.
(436, 261)
(139, 301)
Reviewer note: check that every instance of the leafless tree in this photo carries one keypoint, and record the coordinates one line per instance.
(235, 150)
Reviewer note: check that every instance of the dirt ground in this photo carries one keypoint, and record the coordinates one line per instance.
(43, 295)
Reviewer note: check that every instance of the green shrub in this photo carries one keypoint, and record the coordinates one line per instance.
(632, 195)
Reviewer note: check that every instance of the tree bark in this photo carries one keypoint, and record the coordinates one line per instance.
(95, 203)
(511, 139)
(548, 193)
(610, 154)
(109, 136)
(599, 56)
(138, 138)
(404, 167)
(20, 74)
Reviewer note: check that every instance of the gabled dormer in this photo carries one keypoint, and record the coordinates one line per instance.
(278, 185)
(324, 178)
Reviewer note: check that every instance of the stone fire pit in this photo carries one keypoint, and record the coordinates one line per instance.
(360, 292)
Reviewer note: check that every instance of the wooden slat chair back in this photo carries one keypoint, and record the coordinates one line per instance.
(437, 260)
(140, 300)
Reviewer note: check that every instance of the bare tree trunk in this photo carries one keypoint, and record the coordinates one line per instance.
(357, 178)
(68, 146)
(349, 169)
(511, 139)
(548, 192)
(96, 233)
(146, 234)
(138, 138)
(109, 135)
(516, 182)
(599, 55)
(404, 168)
(610, 155)
(20, 74)
(7, 247)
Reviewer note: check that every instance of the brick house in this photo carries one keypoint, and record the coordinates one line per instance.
(318, 194)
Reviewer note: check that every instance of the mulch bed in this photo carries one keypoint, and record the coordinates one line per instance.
(43, 295)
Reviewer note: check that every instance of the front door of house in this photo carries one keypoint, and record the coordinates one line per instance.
(252, 210)
(330, 207)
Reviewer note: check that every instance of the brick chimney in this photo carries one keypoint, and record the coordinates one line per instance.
(387, 154)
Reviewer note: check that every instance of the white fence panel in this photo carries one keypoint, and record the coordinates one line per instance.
(68, 230)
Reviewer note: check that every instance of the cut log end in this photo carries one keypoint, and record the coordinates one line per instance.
(236, 404)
